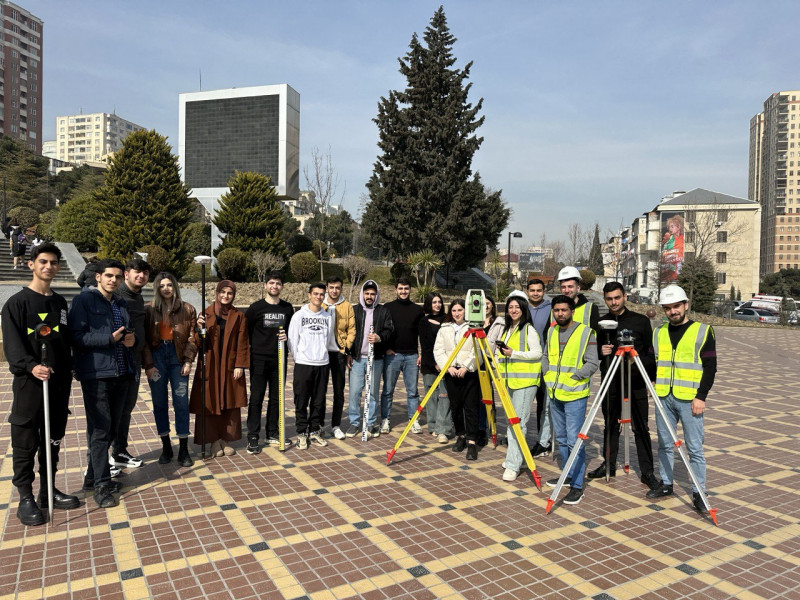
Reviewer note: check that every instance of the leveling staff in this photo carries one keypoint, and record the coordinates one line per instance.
(24, 311)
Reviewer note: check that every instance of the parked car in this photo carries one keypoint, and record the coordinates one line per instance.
(760, 315)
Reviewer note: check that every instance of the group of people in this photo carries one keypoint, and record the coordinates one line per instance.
(20, 240)
(545, 350)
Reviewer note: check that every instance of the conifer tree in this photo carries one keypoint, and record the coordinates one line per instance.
(596, 253)
(250, 216)
(423, 192)
(144, 202)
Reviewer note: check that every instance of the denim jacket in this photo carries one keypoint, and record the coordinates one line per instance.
(91, 323)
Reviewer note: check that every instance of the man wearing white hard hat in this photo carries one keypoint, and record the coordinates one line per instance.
(686, 363)
(569, 281)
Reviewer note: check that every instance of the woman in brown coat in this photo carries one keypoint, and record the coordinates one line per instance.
(227, 356)
(167, 358)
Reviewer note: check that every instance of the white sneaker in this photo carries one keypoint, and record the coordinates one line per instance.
(504, 465)
(416, 428)
(316, 439)
(510, 474)
(385, 427)
(338, 433)
(442, 438)
(302, 442)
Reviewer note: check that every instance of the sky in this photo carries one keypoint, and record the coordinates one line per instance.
(594, 110)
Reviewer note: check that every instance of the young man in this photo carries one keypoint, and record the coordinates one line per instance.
(267, 322)
(568, 364)
(402, 355)
(615, 297)
(102, 339)
(311, 338)
(569, 281)
(137, 274)
(686, 365)
(369, 313)
(344, 321)
(31, 308)
(539, 307)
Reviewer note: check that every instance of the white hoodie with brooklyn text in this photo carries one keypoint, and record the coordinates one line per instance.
(311, 336)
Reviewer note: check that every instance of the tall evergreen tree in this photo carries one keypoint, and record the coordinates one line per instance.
(144, 201)
(25, 176)
(250, 216)
(423, 193)
(596, 253)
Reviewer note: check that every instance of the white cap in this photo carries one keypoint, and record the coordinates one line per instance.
(672, 294)
(569, 273)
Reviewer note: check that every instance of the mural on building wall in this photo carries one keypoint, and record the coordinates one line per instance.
(531, 262)
(672, 230)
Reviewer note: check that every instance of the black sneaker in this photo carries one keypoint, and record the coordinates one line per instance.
(539, 450)
(461, 443)
(28, 512)
(600, 472)
(125, 460)
(575, 495)
(352, 431)
(651, 481)
(253, 447)
(472, 452)
(104, 498)
(61, 501)
(374, 431)
(662, 490)
(554, 482)
(88, 485)
(699, 505)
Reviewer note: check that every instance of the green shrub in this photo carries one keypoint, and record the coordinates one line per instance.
(400, 269)
(198, 240)
(234, 264)
(298, 243)
(587, 279)
(157, 258)
(77, 222)
(305, 267)
(25, 216)
(320, 249)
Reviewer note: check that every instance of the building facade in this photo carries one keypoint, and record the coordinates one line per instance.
(774, 179)
(89, 138)
(21, 75)
(239, 129)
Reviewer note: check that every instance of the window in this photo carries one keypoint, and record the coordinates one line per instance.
(721, 278)
(689, 237)
(722, 257)
(722, 215)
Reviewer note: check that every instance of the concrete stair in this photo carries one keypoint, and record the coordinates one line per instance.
(23, 274)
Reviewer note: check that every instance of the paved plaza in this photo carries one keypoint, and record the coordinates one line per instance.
(337, 522)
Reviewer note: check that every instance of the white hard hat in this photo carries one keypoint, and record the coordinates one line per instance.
(569, 273)
(672, 294)
(517, 294)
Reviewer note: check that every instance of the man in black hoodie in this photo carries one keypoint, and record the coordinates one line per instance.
(402, 354)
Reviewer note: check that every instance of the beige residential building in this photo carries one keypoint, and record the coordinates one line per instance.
(89, 138)
(774, 179)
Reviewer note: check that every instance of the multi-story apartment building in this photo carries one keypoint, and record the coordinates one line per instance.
(21, 75)
(774, 179)
(88, 138)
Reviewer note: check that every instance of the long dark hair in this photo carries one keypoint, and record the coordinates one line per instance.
(493, 313)
(523, 320)
(456, 302)
(427, 306)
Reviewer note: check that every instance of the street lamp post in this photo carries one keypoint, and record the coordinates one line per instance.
(511, 234)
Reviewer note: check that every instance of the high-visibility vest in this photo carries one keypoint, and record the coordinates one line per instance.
(563, 365)
(583, 314)
(520, 372)
(679, 369)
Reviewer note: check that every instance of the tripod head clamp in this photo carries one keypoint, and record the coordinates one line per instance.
(43, 332)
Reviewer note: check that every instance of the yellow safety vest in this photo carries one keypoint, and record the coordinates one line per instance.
(519, 372)
(582, 314)
(558, 377)
(679, 368)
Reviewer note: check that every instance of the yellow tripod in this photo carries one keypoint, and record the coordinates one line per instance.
(489, 376)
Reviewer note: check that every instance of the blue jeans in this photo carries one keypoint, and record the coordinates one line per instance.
(393, 365)
(166, 362)
(358, 373)
(438, 407)
(681, 410)
(521, 400)
(567, 420)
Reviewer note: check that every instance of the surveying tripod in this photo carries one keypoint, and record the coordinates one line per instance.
(488, 376)
(631, 353)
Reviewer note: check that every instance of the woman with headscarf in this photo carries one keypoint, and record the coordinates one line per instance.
(167, 358)
(227, 356)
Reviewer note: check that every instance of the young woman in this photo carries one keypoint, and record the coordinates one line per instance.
(20, 242)
(492, 327)
(520, 365)
(227, 356)
(440, 421)
(461, 380)
(167, 359)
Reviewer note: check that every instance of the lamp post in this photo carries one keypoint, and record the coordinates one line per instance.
(511, 234)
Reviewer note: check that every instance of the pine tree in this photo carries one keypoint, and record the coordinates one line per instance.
(24, 174)
(144, 202)
(423, 193)
(250, 216)
(596, 253)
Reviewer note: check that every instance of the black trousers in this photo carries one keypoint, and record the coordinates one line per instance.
(310, 387)
(263, 375)
(103, 400)
(119, 443)
(338, 368)
(639, 411)
(465, 402)
(540, 399)
(27, 426)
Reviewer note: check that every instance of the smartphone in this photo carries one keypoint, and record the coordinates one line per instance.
(501, 344)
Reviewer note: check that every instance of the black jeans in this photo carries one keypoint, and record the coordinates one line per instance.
(119, 442)
(310, 387)
(104, 400)
(263, 373)
(641, 432)
(465, 402)
(540, 398)
(338, 368)
(27, 426)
